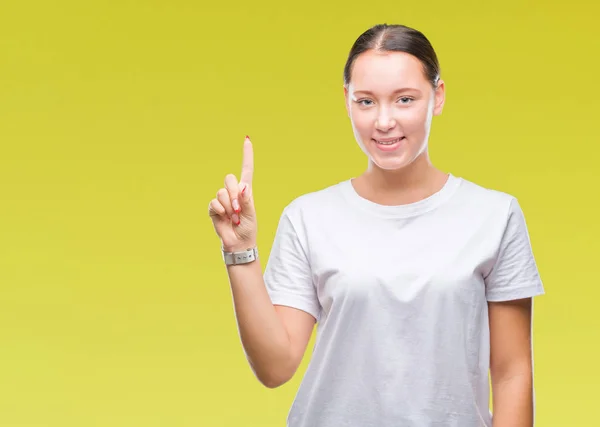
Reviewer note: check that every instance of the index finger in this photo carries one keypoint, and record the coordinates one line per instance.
(247, 162)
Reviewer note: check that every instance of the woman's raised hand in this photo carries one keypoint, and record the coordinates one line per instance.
(232, 211)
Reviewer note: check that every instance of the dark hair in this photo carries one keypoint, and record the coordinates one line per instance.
(397, 38)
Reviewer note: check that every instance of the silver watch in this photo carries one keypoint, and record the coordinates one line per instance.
(241, 257)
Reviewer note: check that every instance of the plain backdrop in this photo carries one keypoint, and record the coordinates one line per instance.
(120, 119)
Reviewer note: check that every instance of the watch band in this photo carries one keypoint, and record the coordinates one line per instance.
(241, 257)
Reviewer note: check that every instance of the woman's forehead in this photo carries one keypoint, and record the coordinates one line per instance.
(387, 69)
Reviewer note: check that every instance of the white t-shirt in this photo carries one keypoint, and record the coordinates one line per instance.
(400, 295)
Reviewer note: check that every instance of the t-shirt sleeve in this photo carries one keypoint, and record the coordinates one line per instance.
(515, 274)
(288, 275)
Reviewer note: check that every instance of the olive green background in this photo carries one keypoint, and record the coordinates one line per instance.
(120, 119)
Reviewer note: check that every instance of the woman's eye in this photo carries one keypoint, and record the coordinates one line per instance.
(368, 102)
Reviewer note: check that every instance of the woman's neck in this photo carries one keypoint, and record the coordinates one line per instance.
(415, 182)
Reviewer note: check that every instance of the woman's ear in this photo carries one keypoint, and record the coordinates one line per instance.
(347, 100)
(440, 98)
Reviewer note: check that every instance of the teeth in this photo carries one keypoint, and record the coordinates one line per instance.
(388, 142)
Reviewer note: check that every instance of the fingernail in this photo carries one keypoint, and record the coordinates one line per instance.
(236, 205)
(236, 219)
(244, 189)
(247, 137)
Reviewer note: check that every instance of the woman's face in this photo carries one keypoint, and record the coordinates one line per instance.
(390, 104)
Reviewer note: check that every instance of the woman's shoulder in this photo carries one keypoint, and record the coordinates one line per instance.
(480, 192)
(321, 199)
(484, 200)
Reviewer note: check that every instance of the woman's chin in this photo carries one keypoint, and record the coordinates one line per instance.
(389, 163)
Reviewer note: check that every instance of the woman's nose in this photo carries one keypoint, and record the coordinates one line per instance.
(384, 123)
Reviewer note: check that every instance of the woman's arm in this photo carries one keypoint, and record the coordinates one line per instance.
(511, 364)
(274, 338)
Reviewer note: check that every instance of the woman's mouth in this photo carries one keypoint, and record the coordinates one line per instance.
(389, 144)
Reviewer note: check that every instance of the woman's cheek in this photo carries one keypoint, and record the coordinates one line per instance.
(413, 118)
(361, 121)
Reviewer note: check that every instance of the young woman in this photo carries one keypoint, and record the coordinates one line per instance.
(420, 282)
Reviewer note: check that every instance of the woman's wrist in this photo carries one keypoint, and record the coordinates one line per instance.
(239, 247)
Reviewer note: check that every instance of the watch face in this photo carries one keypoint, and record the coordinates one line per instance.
(242, 257)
